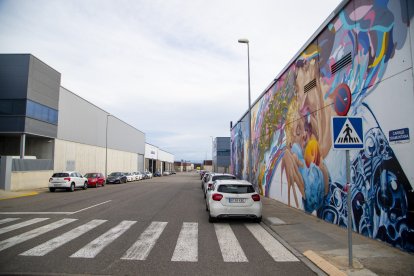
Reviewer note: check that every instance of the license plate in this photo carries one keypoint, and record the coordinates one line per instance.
(237, 200)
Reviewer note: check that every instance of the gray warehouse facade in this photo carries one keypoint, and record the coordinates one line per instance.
(45, 128)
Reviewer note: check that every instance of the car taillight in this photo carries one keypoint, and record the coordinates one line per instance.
(66, 178)
(256, 197)
(217, 197)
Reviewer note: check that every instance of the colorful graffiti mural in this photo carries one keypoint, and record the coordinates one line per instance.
(293, 160)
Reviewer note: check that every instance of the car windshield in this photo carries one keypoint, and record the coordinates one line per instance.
(236, 189)
(91, 175)
(60, 175)
(115, 174)
(221, 177)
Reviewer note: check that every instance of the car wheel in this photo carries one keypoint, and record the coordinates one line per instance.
(72, 187)
(211, 219)
(52, 189)
(85, 185)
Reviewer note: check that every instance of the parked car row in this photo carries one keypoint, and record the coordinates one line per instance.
(165, 173)
(227, 197)
(71, 180)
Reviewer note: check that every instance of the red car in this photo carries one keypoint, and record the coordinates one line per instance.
(95, 179)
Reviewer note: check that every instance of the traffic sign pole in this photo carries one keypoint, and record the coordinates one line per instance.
(348, 181)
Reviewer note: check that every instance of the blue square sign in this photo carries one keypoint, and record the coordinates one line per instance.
(347, 133)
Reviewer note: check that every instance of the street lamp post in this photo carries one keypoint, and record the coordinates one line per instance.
(106, 146)
(249, 114)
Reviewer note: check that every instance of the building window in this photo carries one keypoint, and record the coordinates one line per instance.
(12, 107)
(223, 153)
(41, 112)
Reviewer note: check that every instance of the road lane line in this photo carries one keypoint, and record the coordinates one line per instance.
(6, 220)
(275, 249)
(21, 225)
(186, 249)
(229, 245)
(90, 207)
(146, 241)
(52, 244)
(36, 213)
(96, 246)
(33, 233)
(53, 213)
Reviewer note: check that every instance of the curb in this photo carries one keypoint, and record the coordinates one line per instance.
(17, 196)
(323, 264)
(312, 266)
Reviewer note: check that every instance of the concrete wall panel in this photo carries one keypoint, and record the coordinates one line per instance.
(30, 180)
(89, 158)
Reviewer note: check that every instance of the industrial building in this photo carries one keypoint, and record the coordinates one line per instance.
(359, 63)
(45, 128)
(221, 154)
(157, 159)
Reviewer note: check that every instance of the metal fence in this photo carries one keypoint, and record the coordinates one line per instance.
(19, 165)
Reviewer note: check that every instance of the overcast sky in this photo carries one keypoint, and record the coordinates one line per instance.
(171, 68)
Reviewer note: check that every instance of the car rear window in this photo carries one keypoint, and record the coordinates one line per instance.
(60, 175)
(221, 177)
(236, 189)
(89, 175)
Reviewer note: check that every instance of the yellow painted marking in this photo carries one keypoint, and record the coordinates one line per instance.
(323, 264)
(22, 195)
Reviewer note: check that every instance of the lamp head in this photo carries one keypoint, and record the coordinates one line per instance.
(243, 40)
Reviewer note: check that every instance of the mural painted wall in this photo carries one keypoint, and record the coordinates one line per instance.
(365, 50)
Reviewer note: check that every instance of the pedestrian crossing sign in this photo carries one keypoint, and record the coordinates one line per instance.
(347, 133)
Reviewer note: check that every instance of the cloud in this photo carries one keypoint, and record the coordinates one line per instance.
(172, 69)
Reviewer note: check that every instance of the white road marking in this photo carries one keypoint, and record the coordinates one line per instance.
(229, 245)
(21, 225)
(275, 249)
(186, 249)
(36, 213)
(53, 213)
(33, 233)
(6, 220)
(52, 244)
(91, 207)
(96, 246)
(146, 241)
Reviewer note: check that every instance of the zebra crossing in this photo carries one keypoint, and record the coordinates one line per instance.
(186, 248)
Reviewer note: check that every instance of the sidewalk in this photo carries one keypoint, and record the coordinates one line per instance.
(11, 194)
(326, 245)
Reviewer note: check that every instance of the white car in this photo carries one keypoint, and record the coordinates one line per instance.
(148, 174)
(130, 177)
(208, 182)
(139, 176)
(67, 180)
(233, 199)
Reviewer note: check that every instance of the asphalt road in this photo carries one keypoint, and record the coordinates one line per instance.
(151, 227)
